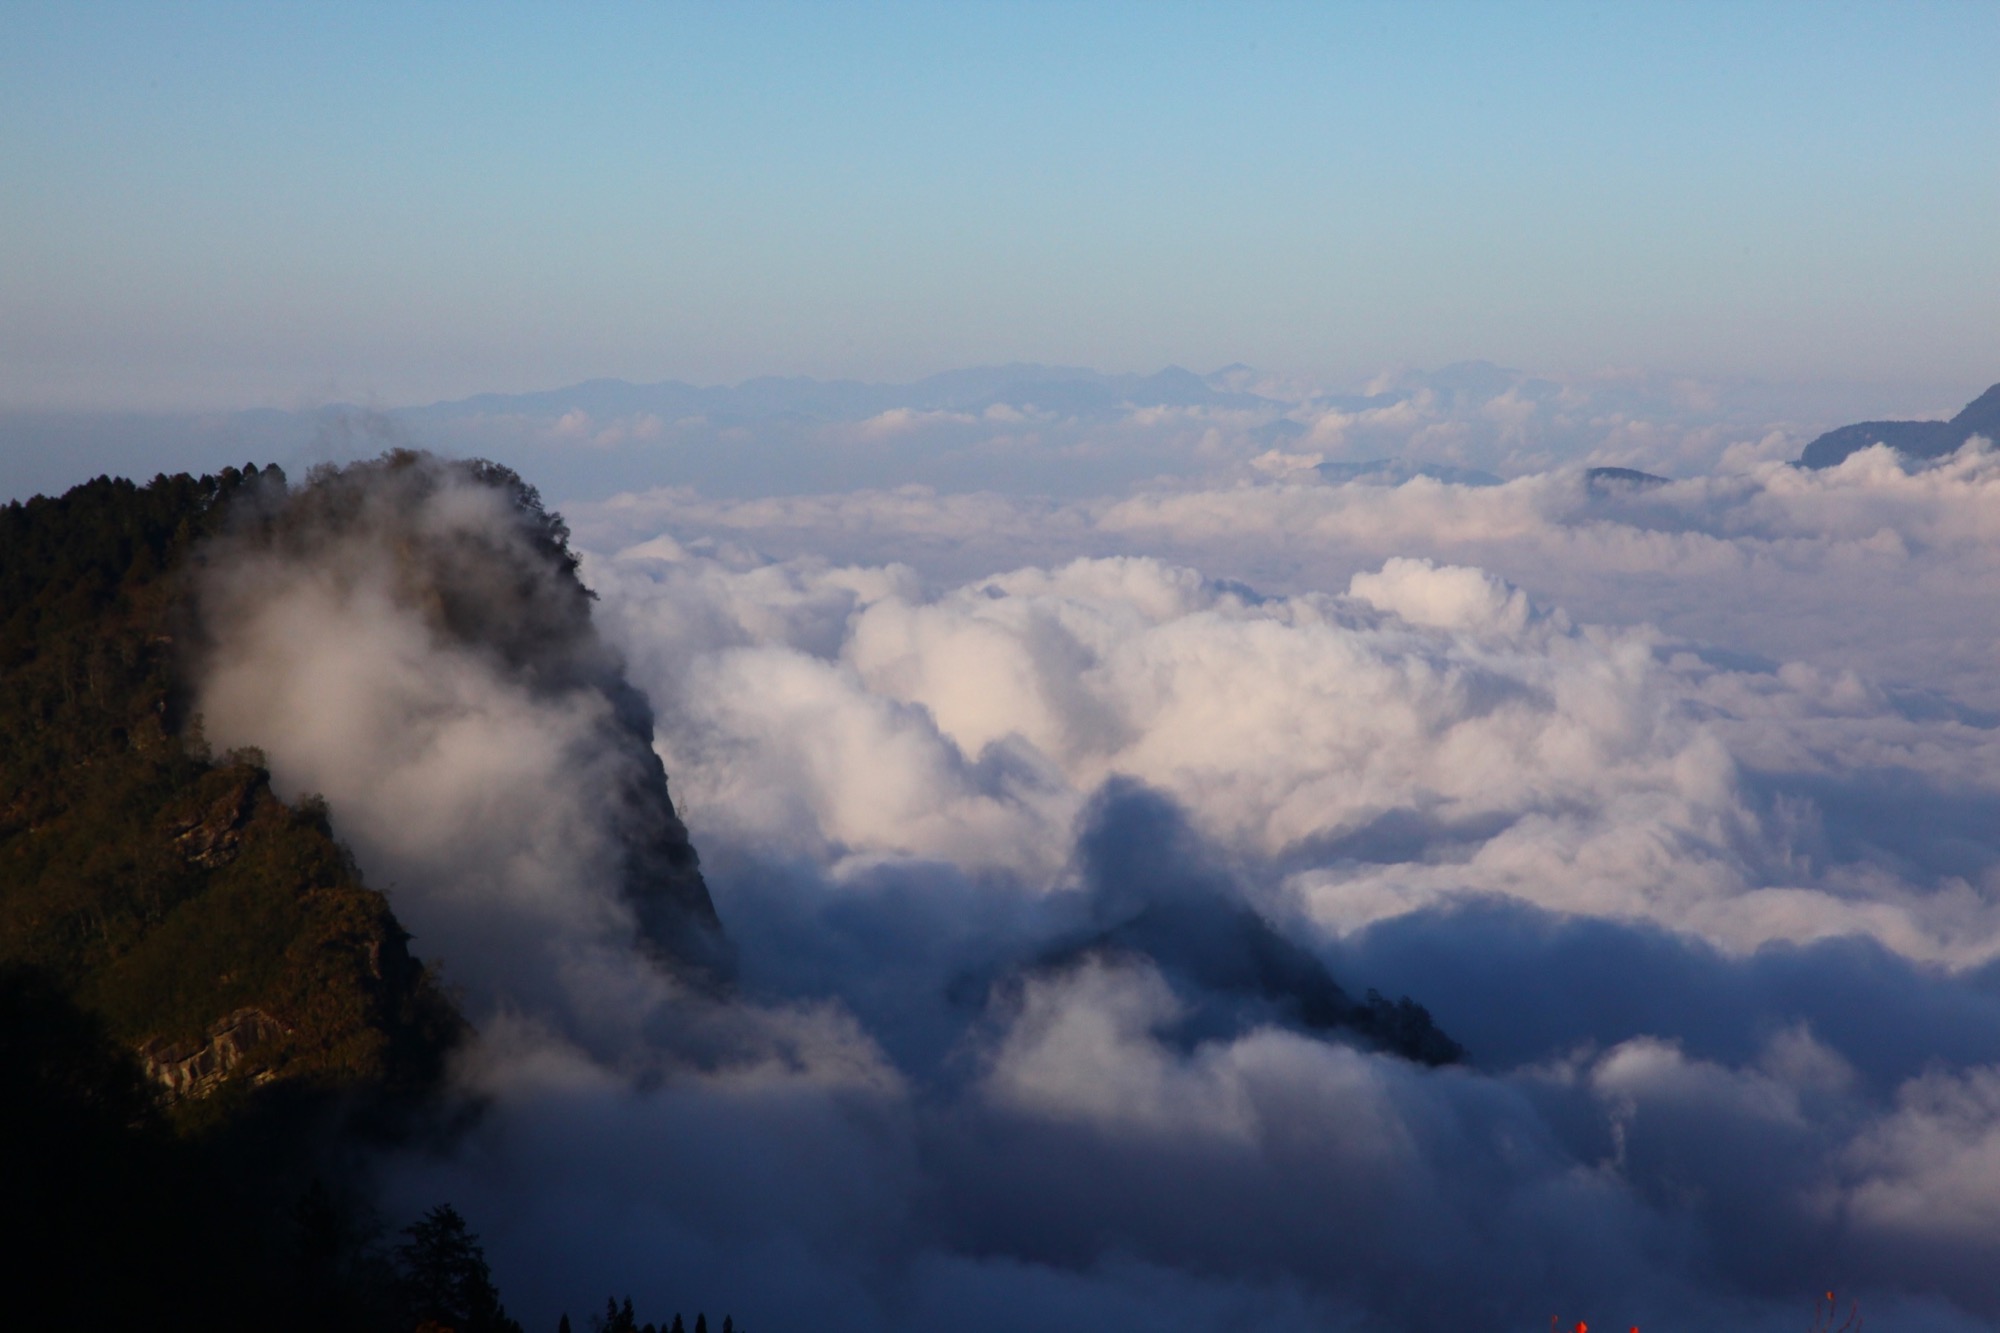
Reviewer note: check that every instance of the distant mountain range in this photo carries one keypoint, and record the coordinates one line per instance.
(1916, 439)
(1070, 391)
(1021, 428)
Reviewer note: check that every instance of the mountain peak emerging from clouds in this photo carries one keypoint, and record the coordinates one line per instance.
(1915, 439)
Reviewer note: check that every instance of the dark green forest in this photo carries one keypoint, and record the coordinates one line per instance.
(207, 1019)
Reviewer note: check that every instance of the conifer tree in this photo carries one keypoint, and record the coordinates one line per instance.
(445, 1278)
(616, 1318)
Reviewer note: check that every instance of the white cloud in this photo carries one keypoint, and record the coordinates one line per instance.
(1584, 769)
(1718, 731)
(1452, 597)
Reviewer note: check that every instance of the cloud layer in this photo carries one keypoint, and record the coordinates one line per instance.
(1677, 808)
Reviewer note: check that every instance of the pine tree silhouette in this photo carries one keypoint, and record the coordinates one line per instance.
(616, 1318)
(445, 1278)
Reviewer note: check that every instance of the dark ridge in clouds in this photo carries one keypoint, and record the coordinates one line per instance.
(1158, 900)
(1916, 439)
(1605, 482)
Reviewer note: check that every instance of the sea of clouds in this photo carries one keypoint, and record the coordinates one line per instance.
(1678, 806)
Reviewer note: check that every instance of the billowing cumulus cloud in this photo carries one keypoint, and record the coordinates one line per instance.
(1038, 826)
(1428, 735)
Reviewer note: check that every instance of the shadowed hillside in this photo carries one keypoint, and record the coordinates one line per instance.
(204, 1007)
(220, 933)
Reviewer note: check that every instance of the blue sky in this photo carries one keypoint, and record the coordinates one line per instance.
(216, 205)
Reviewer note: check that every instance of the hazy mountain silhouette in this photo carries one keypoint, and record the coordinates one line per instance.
(1604, 482)
(1069, 390)
(1914, 439)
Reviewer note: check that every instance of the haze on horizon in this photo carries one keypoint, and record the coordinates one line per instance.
(224, 206)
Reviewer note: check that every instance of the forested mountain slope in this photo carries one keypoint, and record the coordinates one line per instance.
(202, 1007)
(217, 931)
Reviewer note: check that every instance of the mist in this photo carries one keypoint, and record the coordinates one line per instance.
(1038, 831)
(407, 639)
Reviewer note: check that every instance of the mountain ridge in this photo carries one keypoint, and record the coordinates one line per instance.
(973, 389)
(1912, 439)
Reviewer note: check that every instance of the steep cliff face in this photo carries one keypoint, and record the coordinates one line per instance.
(203, 1007)
(219, 931)
(466, 551)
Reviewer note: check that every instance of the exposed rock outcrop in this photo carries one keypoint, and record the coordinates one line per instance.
(189, 1070)
(211, 837)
